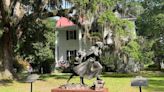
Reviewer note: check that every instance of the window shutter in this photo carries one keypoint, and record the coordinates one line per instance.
(75, 53)
(75, 34)
(67, 54)
(67, 34)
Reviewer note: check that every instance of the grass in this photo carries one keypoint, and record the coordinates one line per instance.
(114, 82)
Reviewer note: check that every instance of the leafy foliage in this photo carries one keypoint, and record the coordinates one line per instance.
(135, 8)
(125, 46)
(151, 25)
(41, 40)
(120, 27)
(151, 19)
(133, 50)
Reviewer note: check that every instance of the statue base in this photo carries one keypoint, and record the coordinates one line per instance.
(97, 87)
(79, 90)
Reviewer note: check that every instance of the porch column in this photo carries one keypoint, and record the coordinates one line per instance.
(80, 39)
(56, 46)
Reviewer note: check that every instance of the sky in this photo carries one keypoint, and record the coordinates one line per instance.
(66, 5)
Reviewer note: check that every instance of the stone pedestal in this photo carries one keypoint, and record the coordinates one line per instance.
(79, 90)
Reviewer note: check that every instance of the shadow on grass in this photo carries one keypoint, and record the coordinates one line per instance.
(5, 82)
(44, 77)
(152, 73)
(156, 85)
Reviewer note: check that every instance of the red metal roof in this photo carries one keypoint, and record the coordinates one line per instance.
(64, 22)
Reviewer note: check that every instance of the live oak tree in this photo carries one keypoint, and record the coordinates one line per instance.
(15, 17)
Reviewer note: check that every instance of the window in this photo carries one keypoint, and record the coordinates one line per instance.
(71, 35)
(71, 54)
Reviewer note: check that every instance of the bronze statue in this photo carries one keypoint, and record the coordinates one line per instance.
(87, 64)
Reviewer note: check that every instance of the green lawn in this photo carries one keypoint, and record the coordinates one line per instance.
(114, 82)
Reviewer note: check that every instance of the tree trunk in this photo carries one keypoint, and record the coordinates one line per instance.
(159, 64)
(6, 56)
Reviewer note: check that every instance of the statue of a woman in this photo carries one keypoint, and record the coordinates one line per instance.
(88, 65)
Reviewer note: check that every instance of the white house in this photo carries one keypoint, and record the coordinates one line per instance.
(68, 40)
